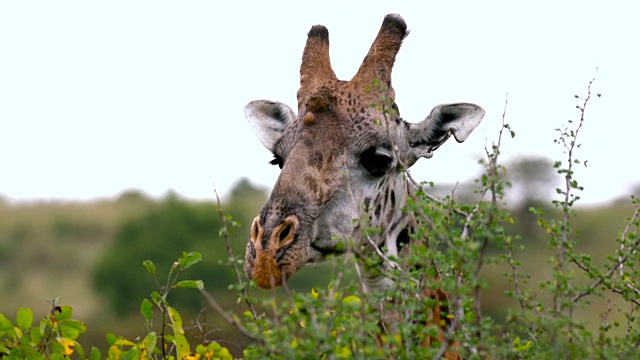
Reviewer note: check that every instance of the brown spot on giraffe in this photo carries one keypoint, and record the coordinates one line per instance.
(308, 118)
(315, 160)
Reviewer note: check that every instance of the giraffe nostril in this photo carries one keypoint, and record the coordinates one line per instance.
(285, 232)
(256, 230)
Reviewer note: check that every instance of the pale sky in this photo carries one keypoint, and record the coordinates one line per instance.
(100, 97)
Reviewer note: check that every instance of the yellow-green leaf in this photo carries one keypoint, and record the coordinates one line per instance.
(343, 352)
(132, 354)
(182, 346)
(24, 319)
(65, 313)
(6, 327)
(189, 259)
(150, 342)
(146, 309)
(68, 331)
(194, 284)
(111, 338)
(351, 300)
(95, 354)
(150, 266)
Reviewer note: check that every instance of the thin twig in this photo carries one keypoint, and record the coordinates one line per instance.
(568, 201)
(225, 232)
(230, 319)
(492, 164)
(616, 266)
(623, 238)
(618, 291)
(431, 197)
(514, 269)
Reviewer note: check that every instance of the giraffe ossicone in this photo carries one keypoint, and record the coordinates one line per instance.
(342, 157)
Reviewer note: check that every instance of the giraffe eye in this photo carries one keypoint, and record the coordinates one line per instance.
(375, 163)
(277, 160)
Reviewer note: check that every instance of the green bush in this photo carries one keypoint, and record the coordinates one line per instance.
(55, 336)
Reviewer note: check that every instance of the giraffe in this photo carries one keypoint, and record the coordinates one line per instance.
(342, 159)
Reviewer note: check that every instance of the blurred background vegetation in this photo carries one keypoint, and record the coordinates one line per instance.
(91, 253)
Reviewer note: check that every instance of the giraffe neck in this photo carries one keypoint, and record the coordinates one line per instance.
(386, 212)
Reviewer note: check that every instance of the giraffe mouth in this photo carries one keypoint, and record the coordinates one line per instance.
(273, 256)
(320, 254)
(271, 266)
(270, 269)
(266, 272)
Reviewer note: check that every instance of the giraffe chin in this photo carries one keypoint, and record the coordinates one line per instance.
(266, 272)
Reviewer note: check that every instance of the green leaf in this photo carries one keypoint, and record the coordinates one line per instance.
(189, 259)
(72, 328)
(44, 325)
(156, 297)
(194, 284)
(24, 319)
(146, 309)
(79, 350)
(25, 351)
(95, 354)
(182, 346)
(176, 320)
(150, 341)
(132, 354)
(6, 327)
(58, 348)
(150, 266)
(36, 335)
(56, 356)
(64, 314)
(111, 338)
(352, 300)
(68, 331)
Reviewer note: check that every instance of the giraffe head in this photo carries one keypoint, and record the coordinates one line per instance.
(341, 154)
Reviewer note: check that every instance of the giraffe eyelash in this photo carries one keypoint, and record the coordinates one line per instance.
(277, 160)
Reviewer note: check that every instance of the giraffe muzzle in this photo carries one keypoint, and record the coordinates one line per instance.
(268, 260)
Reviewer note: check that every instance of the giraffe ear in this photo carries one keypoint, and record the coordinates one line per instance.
(268, 119)
(444, 120)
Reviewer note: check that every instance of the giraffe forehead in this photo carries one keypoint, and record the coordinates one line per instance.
(321, 142)
(341, 113)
